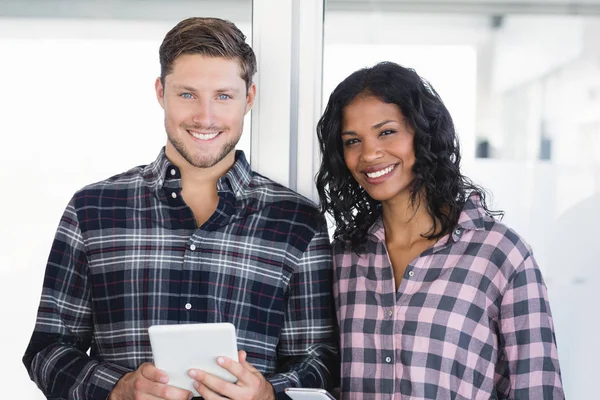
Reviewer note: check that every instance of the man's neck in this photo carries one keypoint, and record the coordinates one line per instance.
(199, 185)
(200, 179)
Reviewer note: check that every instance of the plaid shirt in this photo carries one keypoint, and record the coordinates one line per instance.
(128, 254)
(470, 319)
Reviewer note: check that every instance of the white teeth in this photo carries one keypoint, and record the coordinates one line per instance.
(382, 172)
(204, 136)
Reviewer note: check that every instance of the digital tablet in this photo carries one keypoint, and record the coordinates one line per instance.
(308, 394)
(178, 348)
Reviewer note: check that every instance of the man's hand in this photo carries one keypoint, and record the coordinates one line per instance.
(251, 384)
(148, 382)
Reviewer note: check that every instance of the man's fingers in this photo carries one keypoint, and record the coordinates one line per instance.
(153, 382)
(211, 383)
(236, 369)
(242, 356)
(173, 393)
(161, 391)
(145, 386)
(150, 372)
(206, 392)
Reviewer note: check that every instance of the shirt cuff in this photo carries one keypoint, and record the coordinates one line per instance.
(279, 383)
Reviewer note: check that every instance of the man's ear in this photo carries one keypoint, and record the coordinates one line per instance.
(250, 97)
(160, 92)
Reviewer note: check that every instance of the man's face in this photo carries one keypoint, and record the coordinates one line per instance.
(205, 100)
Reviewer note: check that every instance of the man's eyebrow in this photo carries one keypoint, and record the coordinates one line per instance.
(228, 89)
(188, 88)
(184, 87)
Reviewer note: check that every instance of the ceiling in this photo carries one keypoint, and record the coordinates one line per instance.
(241, 10)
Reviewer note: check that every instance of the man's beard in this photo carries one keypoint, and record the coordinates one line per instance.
(204, 160)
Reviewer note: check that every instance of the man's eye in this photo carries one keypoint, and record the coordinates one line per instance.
(223, 96)
(186, 95)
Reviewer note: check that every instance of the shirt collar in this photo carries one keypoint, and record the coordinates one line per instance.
(237, 179)
(472, 215)
(377, 229)
(470, 218)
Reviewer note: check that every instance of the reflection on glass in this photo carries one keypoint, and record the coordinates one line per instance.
(525, 94)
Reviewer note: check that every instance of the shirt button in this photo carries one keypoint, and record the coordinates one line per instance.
(457, 231)
(188, 306)
(388, 360)
(173, 195)
(173, 172)
(411, 273)
(193, 247)
(391, 312)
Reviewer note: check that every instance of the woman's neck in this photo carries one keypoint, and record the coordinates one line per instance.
(405, 223)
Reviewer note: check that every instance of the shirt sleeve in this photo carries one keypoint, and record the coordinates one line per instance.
(308, 345)
(56, 357)
(528, 364)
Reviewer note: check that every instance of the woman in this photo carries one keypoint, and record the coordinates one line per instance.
(435, 298)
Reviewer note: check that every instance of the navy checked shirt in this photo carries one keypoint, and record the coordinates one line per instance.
(128, 254)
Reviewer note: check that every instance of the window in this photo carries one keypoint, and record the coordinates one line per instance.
(522, 83)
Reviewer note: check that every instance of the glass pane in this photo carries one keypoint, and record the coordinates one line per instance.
(524, 92)
(78, 105)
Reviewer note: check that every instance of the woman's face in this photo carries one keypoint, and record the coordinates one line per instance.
(378, 147)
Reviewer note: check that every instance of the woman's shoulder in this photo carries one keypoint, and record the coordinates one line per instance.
(341, 246)
(488, 230)
(501, 245)
(345, 251)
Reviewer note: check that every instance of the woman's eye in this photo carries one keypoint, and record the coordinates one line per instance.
(387, 132)
(350, 142)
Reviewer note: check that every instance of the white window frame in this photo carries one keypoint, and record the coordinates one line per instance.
(287, 37)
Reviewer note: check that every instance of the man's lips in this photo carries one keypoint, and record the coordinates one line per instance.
(204, 135)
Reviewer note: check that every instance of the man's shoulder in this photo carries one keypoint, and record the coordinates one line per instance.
(283, 206)
(273, 193)
(126, 182)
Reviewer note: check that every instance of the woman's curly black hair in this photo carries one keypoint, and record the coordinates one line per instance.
(437, 154)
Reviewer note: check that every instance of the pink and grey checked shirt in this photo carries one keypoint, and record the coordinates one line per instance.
(470, 320)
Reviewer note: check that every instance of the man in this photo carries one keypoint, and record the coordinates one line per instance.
(196, 236)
